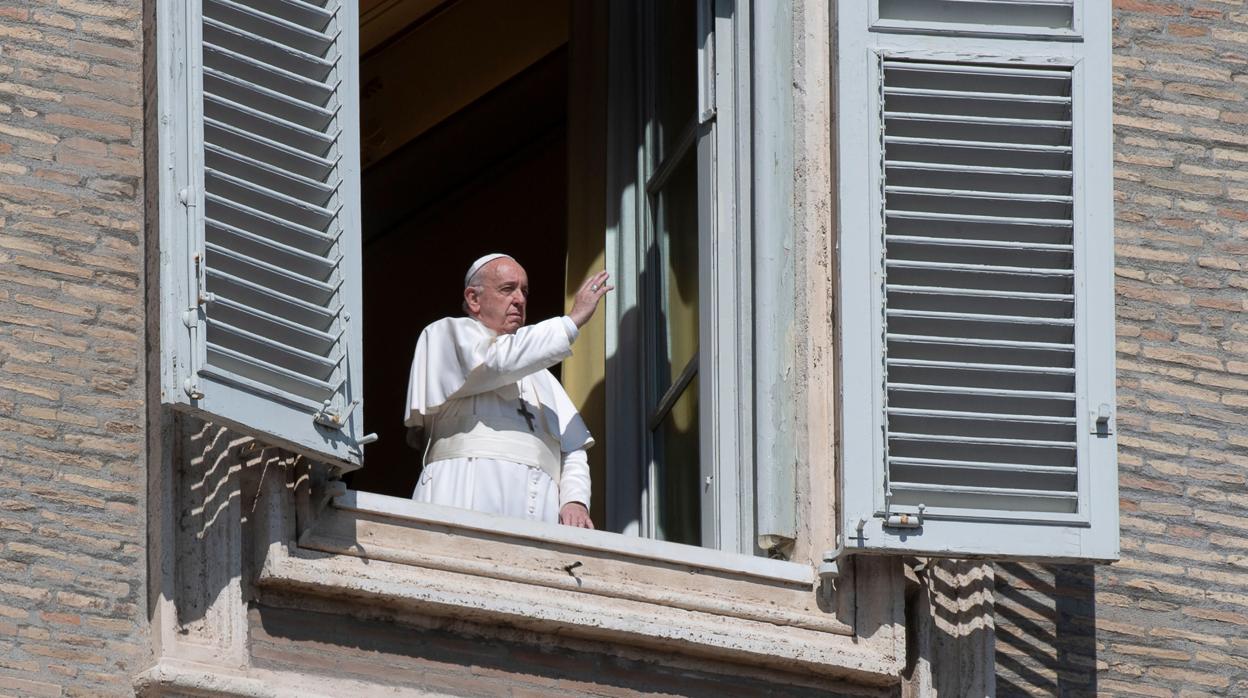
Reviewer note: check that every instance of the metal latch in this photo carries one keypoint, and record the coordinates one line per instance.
(327, 417)
(1100, 421)
(905, 520)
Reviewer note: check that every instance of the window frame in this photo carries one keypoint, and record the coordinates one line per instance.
(1092, 534)
(722, 147)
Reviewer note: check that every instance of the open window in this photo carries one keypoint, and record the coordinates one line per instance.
(335, 166)
(976, 235)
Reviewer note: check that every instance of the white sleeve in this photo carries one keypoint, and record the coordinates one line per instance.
(493, 361)
(459, 357)
(574, 485)
(573, 330)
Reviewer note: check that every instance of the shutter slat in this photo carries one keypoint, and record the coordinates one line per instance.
(270, 102)
(287, 207)
(985, 145)
(980, 440)
(273, 127)
(1003, 416)
(967, 193)
(307, 284)
(973, 317)
(992, 392)
(980, 268)
(291, 33)
(920, 363)
(1015, 98)
(979, 342)
(975, 70)
(970, 489)
(267, 218)
(270, 375)
(274, 52)
(308, 258)
(310, 357)
(279, 154)
(292, 184)
(983, 465)
(314, 308)
(974, 169)
(309, 334)
(308, 90)
(968, 242)
(978, 120)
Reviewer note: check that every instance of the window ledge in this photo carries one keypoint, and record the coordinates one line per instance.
(589, 584)
(642, 549)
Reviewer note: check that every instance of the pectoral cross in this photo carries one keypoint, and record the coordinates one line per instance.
(524, 412)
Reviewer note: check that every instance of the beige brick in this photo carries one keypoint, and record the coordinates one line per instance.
(1159, 125)
(1146, 651)
(100, 9)
(1179, 108)
(29, 687)
(27, 134)
(1189, 675)
(111, 30)
(97, 127)
(1212, 517)
(1183, 357)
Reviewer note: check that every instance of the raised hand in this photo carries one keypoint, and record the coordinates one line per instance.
(586, 300)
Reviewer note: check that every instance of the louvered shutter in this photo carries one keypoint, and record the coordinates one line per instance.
(260, 219)
(976, 295)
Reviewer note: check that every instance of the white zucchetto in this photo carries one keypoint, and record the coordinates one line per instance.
(476, 266)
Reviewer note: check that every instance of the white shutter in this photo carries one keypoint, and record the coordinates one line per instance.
(260, 220)
(976, 292)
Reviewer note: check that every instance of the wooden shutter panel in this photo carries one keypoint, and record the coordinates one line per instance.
(977, 324)
(260, 278)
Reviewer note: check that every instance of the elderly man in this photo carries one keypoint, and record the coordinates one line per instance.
(503, 436)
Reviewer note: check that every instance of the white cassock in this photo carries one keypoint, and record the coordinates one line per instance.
(503, 436)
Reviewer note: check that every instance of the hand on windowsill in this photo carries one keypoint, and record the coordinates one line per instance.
(575, 514)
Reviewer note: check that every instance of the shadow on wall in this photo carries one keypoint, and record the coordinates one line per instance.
(949, 633)
(1045, 630)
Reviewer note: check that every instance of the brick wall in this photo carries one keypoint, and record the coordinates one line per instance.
(1170, 619)
(72, 486)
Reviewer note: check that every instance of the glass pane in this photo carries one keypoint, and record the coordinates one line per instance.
(678, 265)
(675, 70)
(676, 449)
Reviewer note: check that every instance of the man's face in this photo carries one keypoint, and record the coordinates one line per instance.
(504, 295)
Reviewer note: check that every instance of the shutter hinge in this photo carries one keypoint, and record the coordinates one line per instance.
(830, 568)
(186, 198)
(202, 296)
(191, 318)
(1101, 421)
